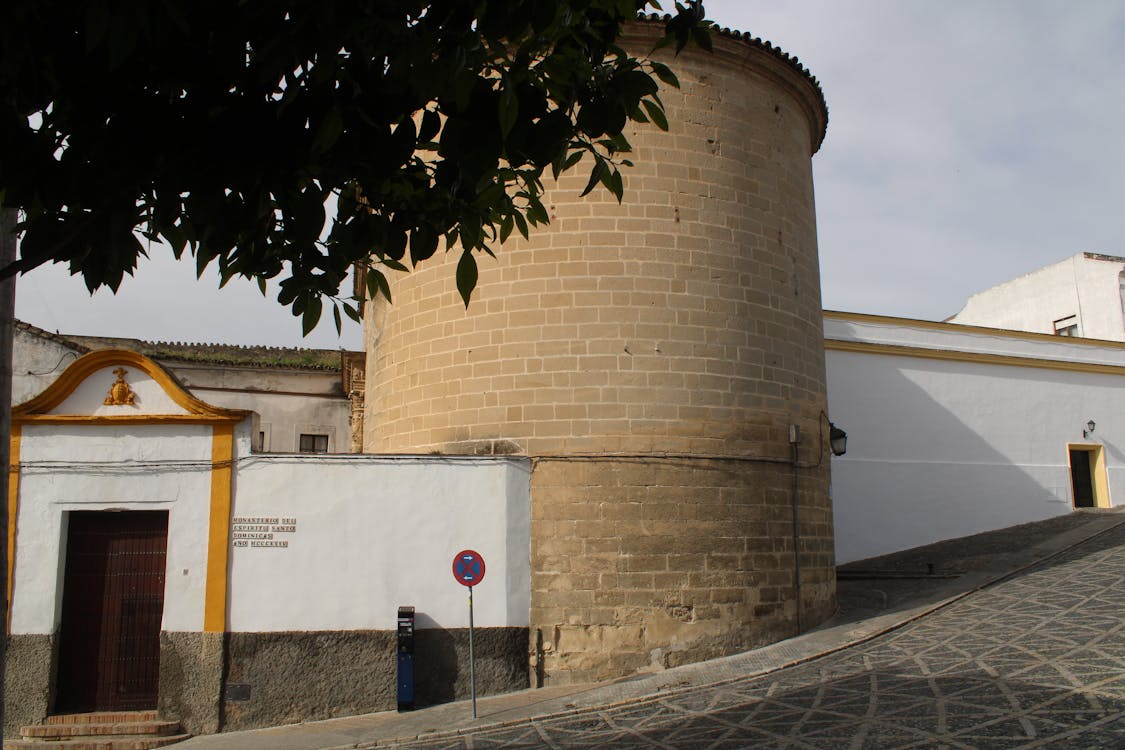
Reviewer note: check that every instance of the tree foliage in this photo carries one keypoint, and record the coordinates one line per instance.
(223, 127)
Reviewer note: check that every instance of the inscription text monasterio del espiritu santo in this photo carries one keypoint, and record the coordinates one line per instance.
(261, 531)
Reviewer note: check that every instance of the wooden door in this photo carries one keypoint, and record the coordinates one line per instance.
(113, 600)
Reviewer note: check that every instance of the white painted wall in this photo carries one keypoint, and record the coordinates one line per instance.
(36, 362)
(942, 448)
(91, 467)
(288, 401)
(371, 532)
(1085, 285)
(284, 416)
(89, 397)
(376, 532)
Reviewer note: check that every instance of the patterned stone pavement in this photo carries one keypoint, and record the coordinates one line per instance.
(1037, 661)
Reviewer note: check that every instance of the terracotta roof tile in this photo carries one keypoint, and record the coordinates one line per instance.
(216, 354)
(791, 60)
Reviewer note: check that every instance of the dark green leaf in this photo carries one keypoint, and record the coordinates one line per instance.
(97, 22)
(329, 130)
(573, 159)
(536, 213)
(521, 223)
(507, 224)
(228, 124)
(466, 275)
(508, 107)
(664, 73)
(377, 284)
(656, 113)
(311, 315)
(423, 244)
(614, 184)
(596, 175)
(703, 38)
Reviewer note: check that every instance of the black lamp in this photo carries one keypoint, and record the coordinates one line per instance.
(838, 439)
(1089, 428)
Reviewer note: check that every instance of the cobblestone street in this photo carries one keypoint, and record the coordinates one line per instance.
(1037, 661)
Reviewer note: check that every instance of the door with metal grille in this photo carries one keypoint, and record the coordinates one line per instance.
(113, 599)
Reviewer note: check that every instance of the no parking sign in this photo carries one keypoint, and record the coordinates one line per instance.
(468, 568)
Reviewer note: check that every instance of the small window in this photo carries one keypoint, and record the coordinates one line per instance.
(261, 441)
(313, 443)
(1067, 326)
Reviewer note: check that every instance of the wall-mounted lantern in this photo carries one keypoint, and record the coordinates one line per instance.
(1089, 429)
(838, 439)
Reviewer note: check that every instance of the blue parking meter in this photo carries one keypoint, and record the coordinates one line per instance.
(405, 658)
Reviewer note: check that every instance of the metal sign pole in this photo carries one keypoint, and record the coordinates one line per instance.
(472, 659)
(468, 569)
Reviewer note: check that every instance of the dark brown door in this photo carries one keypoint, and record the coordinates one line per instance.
(113, 599)
(1080, 480)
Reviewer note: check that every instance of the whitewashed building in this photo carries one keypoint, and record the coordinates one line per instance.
(157, 560)
(1079, 296)
(274, 579)
(955, 430)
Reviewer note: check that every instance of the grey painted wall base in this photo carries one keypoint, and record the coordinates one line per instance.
(305, 676)
(29, 667)
(191, 678)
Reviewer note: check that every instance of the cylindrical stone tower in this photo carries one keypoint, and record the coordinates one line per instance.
(650, 357)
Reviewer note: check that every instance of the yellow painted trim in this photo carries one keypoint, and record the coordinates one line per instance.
(918, 352)
(218, 536)
(960, 328)
(13, 512)
(1101, 479)
(88, 364)
(1095, 454)
(116, 419)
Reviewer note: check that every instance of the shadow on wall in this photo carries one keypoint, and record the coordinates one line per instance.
(441, 661)
(940, 449)
(435, 662)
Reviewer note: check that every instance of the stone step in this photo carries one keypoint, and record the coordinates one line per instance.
(102, 717)
(100, 730)
(67, 730)
(100, 743)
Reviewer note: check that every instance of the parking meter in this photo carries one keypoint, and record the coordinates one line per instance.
(405, 648)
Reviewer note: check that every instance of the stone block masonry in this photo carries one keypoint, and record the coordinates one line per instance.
(643, 564)
(650, 357)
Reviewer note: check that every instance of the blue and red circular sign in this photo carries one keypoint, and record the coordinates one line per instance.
(468, 567)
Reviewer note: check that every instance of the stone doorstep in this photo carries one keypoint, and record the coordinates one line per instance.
(102, 717)
(101, 743)
(102, 730)
(128, 728)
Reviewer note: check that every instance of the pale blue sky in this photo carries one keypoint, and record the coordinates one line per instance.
(968, 142)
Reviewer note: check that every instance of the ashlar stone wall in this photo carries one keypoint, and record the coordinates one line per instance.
(650, 357)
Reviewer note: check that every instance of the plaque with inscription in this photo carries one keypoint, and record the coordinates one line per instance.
(262, 532)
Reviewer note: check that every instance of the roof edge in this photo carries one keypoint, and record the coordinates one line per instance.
(791, 61)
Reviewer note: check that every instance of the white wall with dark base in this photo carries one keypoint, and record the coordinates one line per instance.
(955, 430)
